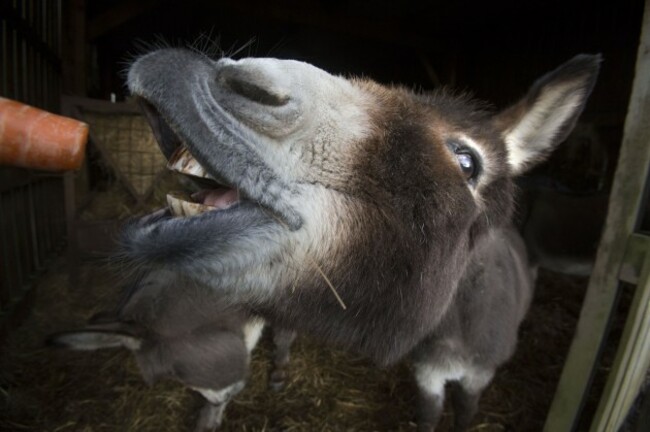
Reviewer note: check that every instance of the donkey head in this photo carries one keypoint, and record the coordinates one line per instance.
(340, 206)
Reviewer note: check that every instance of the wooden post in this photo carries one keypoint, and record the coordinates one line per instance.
(633, 357)
(624, 207)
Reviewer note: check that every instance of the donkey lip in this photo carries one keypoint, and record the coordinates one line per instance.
(166, 138)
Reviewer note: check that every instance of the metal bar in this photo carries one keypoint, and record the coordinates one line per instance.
(41, 217)
(14, 62)
(46, 220)
(48, 25)
(4, 48)
(61, 211)
(41, 87)
(7, 269)
(59, 29)
(73, 253)
(25, 71)
(53, 96)
(47, 202)
(16, 244)
(28, 82)
(24, 233)
(32, 225)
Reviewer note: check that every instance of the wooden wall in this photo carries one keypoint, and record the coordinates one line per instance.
(32, 221)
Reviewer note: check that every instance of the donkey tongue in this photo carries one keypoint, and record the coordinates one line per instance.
(220, 198)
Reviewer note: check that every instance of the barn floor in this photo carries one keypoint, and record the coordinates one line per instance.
(55, 390)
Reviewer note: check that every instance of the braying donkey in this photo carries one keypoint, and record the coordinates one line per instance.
(367, 216)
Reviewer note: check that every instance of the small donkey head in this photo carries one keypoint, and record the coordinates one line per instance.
(178, 330)
(340, 206)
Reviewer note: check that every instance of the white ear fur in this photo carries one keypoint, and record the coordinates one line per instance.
(90, 340)
(534, 135)
(545, 117)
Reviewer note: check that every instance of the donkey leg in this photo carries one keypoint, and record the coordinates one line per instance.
(211, 414)
(429, 410)
(466, 395)
(210, 417)
(431, 397)
(282, 340)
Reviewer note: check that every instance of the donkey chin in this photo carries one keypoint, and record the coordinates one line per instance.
(367, 216)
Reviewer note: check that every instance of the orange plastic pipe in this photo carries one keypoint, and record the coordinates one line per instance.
(33, 138)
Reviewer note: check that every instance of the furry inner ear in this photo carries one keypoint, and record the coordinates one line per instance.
(535, 125)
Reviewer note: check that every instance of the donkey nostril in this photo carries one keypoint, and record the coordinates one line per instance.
(256, 93)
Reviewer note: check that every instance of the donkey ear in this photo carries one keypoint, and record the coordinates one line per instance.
(93, 338)
(535, 125)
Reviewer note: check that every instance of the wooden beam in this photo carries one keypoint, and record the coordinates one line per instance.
(632, 359)
(635, 254)
(624, 207)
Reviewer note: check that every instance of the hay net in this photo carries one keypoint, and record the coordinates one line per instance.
(131, 147)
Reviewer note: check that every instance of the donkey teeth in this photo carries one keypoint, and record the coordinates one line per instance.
(180, 206)
(183, 162)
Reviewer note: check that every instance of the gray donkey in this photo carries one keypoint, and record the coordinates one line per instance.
(179, 329)
(367, 216)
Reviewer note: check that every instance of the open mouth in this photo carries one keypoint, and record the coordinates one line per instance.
(230, 178)
(199, 126)
(211, 196)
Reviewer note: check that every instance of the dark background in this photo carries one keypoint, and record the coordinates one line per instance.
(493, 48)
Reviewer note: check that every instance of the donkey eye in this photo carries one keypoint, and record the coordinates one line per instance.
(468, 160)
(467, 164)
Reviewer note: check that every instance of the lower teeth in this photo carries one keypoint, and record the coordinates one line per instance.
(180, 205)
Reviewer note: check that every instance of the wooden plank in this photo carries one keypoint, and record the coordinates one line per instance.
(624, 206)
(632, 360)
(633, 261)
(99, 106)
